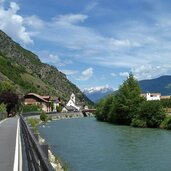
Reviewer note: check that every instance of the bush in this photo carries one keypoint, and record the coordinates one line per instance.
(136, 122)
(2, 107)
(31, 108)
(59, 108)
(166, 124)
(151, 112)
(43, 117)
(33, 122)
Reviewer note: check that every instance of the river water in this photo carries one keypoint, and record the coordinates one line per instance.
(85, 144)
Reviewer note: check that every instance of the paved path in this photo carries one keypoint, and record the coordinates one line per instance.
(8, 129)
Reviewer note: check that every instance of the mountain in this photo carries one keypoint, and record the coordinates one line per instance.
(24, 70)
(158, 85)
(97, 93)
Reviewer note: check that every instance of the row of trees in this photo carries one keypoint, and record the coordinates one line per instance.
(127, 107)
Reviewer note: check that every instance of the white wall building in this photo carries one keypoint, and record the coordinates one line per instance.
(151, 96)
(72, 102)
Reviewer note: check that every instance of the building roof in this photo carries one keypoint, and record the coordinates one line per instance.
(71, 108)
(36, 95)
(155, 94)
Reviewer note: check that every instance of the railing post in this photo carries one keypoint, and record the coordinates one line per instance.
(36, 135)
(44, 148)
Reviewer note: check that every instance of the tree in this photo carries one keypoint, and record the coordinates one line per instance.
(150, 113)
(103, 109)
(10, 99)
(127, 100)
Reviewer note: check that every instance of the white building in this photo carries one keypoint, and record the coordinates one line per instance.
(151, 96)
(71, 104)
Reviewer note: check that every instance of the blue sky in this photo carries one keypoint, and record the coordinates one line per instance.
(94, 42)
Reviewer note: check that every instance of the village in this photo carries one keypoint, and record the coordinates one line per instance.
(54, 104)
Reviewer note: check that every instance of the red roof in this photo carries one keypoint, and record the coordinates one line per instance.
(38, 96)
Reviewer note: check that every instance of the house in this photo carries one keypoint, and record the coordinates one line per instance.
(56, 102)
(42, 101)
(151, 96)
(72, 105)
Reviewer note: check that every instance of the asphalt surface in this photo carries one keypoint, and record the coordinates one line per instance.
(8, 129)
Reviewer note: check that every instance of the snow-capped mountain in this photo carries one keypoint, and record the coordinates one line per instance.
(97, 93)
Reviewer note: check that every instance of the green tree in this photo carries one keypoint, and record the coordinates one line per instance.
(103, 109)
(43, 117)
(127, 100)
(59, 108)
(150, 113)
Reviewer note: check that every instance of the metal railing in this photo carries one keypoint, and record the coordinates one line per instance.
(36, 159)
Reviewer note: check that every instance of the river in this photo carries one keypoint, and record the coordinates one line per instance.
(85, 144)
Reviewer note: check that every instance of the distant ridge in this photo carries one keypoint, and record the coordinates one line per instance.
(158, 85)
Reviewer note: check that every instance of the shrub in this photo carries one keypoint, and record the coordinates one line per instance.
(136, 122)
(151, 112)
(31, 108)
(2, 107)
(43, 117)
(166, 123)
(59, 108)
(33, 122)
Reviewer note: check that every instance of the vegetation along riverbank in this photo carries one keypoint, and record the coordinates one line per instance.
(128, 107)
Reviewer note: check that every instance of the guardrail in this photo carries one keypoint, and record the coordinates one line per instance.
(36, 159)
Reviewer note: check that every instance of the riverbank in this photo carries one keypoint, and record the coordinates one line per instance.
(34, 122)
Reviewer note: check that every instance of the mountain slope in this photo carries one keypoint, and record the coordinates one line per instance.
(95, 94)
(159, 85)
(24, 69)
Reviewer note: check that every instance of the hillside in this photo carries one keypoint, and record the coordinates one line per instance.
(27, 73)
(159, 85)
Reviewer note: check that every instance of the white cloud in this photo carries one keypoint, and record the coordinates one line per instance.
(69, 72)
(113, 74)
(91, 6)
(34, 21)
(124, 74)
(151, 71)
(70, 18)
(123, 43)
(13, 24)
(52, 59)
(133, 45)
(86, 74)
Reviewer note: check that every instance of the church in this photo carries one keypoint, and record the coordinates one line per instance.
(71, 105)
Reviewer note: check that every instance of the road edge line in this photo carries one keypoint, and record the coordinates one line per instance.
(15, 166)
